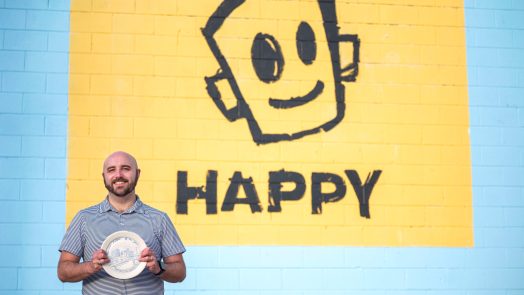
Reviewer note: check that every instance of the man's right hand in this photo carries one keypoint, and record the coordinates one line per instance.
(98, 260)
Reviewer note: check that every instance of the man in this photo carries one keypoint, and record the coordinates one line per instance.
(121, 210)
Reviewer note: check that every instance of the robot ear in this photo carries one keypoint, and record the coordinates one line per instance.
(231, 114)
(349, 72)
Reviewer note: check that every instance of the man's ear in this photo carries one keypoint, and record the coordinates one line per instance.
(137, 174)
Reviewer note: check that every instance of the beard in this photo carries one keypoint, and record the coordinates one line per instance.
(120, 193)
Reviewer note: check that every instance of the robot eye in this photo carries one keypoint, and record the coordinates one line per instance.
(267, 58)
(306, 46)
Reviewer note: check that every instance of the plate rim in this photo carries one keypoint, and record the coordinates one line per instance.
(141, 246)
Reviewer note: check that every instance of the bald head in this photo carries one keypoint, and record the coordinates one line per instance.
(120, 174)
(120, 155)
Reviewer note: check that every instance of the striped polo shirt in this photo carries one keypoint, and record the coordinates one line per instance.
(92, 225)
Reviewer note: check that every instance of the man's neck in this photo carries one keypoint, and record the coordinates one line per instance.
(121, 204)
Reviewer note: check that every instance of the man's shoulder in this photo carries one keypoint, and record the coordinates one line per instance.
(91, 210)
(151, 210)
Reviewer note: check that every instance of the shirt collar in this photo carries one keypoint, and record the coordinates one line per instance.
(138, 207)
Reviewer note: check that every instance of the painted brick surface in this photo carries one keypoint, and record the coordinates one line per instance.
(34, 59)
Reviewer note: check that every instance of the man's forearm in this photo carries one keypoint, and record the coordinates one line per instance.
(175, 272)
(69, 271)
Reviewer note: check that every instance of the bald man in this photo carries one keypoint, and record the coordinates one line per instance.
(122, 209)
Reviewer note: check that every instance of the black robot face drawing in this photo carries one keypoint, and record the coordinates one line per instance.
(285, 76)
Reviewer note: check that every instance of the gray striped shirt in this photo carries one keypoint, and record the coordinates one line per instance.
(91, 226)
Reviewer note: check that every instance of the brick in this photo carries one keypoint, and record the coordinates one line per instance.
(25, 40)
(47, 20)
(80, 42)
(91, 22)
(54, 212)
(88, 147)
(55, 168)
(111, 127)
(160, 45)
(493, 38)
(38, 279)
(113, 6)
(399, 14)
(8, 278)
(12, 19)
(52, 62)
(132, 65)
(173, 25)
(49, 254)
(156, 7)
(90, 63)
(107, 43)
(226, 279)
(480, 18)
(9, 189)
(23, 82)
(56, 125)
(34, 233)
(45, 104)
(11, 146)
(32, 146)
(509, 19)
(133, 24)
(352, 13)
(28, 256)
(186, 8)
(298, 279)
(11, 102)
(250, 279)
(32, 190)
(58, 42)
(86, 105)
(21, 211)
(21, 125)
(11, 61)
(14, 168)
(27, 4)
(64, 5)
(172, 65)
(57, 83)
(112, 85)
(154, 86)
(496, 77)
(499, 116)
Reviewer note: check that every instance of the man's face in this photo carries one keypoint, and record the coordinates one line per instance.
(120, 174)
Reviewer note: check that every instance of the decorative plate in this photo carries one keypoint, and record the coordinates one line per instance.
(123, 249)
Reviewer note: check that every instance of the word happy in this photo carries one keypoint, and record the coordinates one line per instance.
(276, 194)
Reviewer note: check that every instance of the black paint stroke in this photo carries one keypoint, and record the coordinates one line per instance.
(276, 178)
(186, 193)
(318, 196)
(267, 59)
(299, 100)
(363, 191)
(306, 46)
(231, 197)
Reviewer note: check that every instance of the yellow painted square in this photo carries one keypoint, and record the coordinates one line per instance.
(138, 83)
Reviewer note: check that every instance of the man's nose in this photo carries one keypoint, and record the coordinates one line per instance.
(118, 173)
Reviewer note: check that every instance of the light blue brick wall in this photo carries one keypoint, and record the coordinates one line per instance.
(33, 113)
(34, 43)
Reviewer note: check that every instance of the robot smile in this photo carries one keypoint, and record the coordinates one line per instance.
(299, 100)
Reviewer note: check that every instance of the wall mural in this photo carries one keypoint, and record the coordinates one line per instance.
(268, 63)
(269, 122)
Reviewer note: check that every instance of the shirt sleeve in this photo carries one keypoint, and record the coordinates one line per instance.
(171, 243)
(73, 241)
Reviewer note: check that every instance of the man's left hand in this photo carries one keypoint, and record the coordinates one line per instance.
(148, 256)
